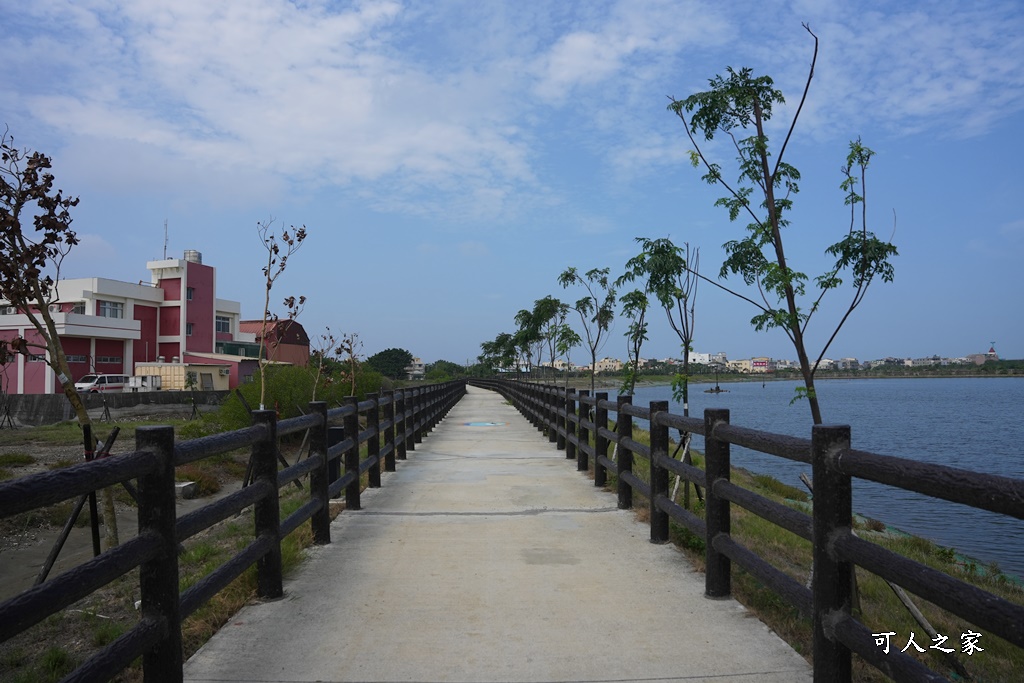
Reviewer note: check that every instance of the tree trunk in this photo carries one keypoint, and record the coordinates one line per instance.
(108, 513)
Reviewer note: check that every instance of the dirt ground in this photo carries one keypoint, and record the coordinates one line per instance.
(27, 540)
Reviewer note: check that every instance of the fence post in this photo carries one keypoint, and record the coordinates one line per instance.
(335, 435)
(582, 459)
(551, 412)
(410, 418)
(600, 441)
(389, 431)
(571, 428)
(401, 424)
(539, 408)
(535, 405)
(352, 454)
(624, 428)
(417, 415)
(269, 579)
(158, 578)
(373, 443)
(833, 517)
(558, 402)
(319, 479)
(717, 575)
(659, 475)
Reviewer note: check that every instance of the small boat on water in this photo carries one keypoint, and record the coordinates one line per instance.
(717, 389)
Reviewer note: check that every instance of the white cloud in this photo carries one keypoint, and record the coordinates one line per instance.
(447, 108)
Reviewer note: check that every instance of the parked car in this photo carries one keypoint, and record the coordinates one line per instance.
(94, 384)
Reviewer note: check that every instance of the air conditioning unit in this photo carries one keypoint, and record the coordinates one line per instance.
(9, 310)
(54, 308)
(225, 372)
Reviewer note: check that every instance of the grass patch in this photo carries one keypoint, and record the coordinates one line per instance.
(16, 459)
(206, 481)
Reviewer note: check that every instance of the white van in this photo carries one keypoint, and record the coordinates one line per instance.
(94, 384)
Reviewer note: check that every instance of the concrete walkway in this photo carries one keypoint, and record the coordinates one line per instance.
(487, 557)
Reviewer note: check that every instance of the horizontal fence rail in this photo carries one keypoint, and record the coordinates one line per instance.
(575, 419)
(398, 418)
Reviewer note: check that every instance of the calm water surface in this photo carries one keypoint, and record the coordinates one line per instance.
(971, 423)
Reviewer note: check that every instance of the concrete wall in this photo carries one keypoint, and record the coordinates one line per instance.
(40, 409)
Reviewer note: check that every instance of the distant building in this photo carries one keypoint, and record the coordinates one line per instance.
(608, 365)
(108, 327)
(416, 369)
(982, 358)
(762, 365)
(286, 342)
(740, 365)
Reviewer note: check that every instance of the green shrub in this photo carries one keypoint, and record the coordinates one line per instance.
(289, 389)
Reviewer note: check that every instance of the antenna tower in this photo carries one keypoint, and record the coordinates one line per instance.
(165, 239)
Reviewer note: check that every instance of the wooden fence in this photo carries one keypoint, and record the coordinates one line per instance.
(395, 423)
(579, 424)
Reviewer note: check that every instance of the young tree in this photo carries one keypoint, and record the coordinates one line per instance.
(671, 275)
(30, 265)
(743, 101)
(348, 351)
(548, 316)
(596, 309)
(566, 339)
(321, 361)
(278, 254)
(528, 337)
(634, 308)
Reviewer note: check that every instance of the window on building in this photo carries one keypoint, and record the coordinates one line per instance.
(110, 309)
(188, 329)
(189, 291)
(109, 359)
(223, 324)
(79, 308)
(76, 358)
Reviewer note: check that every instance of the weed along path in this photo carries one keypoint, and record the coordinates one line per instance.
(488, 557)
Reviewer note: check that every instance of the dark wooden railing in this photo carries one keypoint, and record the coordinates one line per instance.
(579, 424)
(407, 415)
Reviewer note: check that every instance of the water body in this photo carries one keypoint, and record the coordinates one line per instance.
(970, 423)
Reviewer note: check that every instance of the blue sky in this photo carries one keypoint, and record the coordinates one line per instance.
(450, 158)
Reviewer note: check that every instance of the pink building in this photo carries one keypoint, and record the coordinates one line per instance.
(107, 326)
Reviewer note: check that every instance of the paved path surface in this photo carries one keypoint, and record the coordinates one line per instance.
(487, 557)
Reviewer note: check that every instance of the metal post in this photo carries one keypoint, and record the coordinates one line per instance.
(833, 517)
(158, 578)
(659, 475)
(717, 574)
(624, 428)
(600, 441)
(266, 512)
(319, 479)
